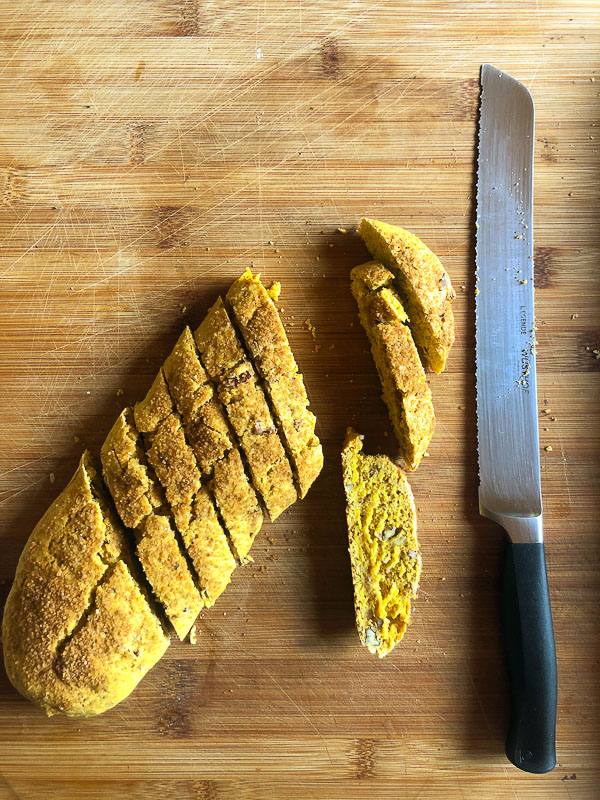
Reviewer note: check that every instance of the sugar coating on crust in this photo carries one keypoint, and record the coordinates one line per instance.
(134, 492)
(210, 437)
(424, 283)
(119, 641)
(168, 573)
(73, 547)
(237, 503)
(383, 546)
(224, 359)
(405, 389)
(205, 422)
(266, 340)
(171, 581)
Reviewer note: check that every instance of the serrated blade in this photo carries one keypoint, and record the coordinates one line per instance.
(509, 460)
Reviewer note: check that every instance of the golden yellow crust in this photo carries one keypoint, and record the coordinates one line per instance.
(425, 285)
(157, 547)
(71, 552)
(266, 340)
(405, 388)
(168, 573)
(210, 437)
(205, 423)
(237, 503)
(383, 546)
(225, 361)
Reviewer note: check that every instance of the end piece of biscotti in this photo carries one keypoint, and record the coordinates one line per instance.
(405, 389)
(139, 502)
(265, 338)
(423, 282)
(68, 564)
(384, 551)
(225, 360)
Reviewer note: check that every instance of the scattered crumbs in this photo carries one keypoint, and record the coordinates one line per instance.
(548, 448)
(88, 392)
(524, 281)
(385, 433)
(330, 244)
(258, 53)
(552, 419)
(547, 411)
(120, 392)
(425, 455)
(317, 258)
(310, 328)
(271, 242)
(461, 408)
(331, 346)
(274, 291)
(52, 477)
(442, 579)
(519, 236)
(573, 775)
(596, 352)
(352, 325)
(183, 309)
(574, 316)
(76, 439)
(193, 638)
(342, 230)
(476, 291)
(317, 348)
(208, 248)
(461, 595)
(224, 613)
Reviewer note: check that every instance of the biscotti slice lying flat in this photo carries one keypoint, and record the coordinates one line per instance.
(78, 631)
(384, 552)
(176, 468)
(213, 443)
(424, 285)
(225, 362)
(405, 388)
(138, 499)
(265, 338)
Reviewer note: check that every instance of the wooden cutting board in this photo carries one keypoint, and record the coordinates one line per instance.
(149, 152)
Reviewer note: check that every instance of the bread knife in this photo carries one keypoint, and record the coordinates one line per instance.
(507, 416)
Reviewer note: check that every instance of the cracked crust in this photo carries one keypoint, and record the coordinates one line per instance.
(247, 409)
(424, 283)
(383, 546)
(76, 544)
(405, 388)
(266, 340)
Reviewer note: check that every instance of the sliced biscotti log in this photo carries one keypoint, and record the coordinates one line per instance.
(225, 361)
(213, 443)
(60, 616)
(384, 551)
(423, 282)
(175, 466)
(138, 499)
(405, 389)
(258, 320)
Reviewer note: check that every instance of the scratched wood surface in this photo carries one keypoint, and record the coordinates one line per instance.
(149, 152)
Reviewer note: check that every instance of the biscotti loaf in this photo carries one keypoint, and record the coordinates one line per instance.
(424, 285)
(78, 631)
(384, 552)
(405, 389)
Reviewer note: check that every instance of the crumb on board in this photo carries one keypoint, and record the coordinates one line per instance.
(548, 448)
(310, 328)
(193, 637)
(120, 392)
(274, 291)
(342, 230)
(52, 477)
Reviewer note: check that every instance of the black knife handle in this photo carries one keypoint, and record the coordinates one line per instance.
(531, 657)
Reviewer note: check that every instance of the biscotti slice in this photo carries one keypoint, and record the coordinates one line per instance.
(205, 423)
(384, 552)
(69, 558)
(423, 282)
(176, 468)
(265, 338)
(138, 499)
(405, 388)
(225, 361)
(120, 640)
(209, 435)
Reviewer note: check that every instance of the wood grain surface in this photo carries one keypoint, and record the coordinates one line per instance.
(149, 152)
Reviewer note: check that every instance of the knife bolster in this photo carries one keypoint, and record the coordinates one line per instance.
(520, 530)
